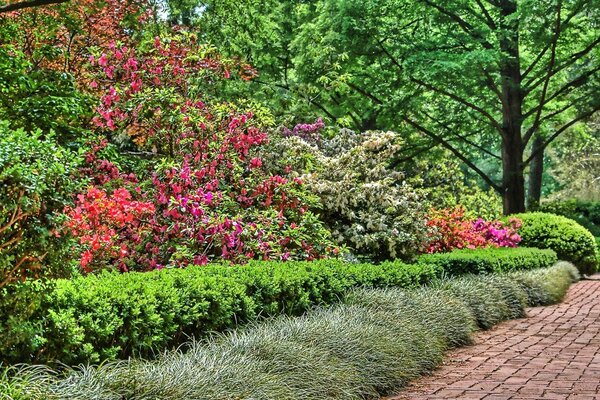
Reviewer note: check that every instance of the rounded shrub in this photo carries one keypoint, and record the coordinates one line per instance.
(571, 241)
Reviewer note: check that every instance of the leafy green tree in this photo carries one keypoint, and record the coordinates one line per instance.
(482, 78)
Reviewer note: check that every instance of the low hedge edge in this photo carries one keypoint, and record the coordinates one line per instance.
(111, 315)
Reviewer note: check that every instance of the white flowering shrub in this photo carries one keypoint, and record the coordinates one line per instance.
(367, 206)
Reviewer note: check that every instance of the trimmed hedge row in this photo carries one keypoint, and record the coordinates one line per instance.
(112, 315)
(571, 241)
(489, 260)
(371, 344)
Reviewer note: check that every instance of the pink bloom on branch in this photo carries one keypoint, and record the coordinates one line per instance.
(102, 61)
(256, 162)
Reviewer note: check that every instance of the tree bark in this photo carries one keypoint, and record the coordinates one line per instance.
(536, 170)
(28, 4)
(513, 181)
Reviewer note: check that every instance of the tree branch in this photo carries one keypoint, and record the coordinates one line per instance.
(536, 81)
(457, 153)
(580, 80)
(558, 132)
(536, 121)
(488, 17)
(459, 99)
(311, 101)
(365, 93)
(464, 138)
(465, 26)
(563, 26)
(28, 4)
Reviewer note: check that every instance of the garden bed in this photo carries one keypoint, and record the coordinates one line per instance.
(371, 344)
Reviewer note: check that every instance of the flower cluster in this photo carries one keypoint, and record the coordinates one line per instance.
(209, 198)
(214, 201)
(108, 226)
(145, 94)
(452, 229)
(497, 233)
(308, 132)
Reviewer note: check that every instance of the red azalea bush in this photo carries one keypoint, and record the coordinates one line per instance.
(209, 198)
(109, 226)
(451, 229)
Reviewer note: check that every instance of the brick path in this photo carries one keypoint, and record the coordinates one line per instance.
(552, 354)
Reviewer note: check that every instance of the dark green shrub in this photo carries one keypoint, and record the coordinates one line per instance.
(114, 315)
(36, 182)
(567, 238)
(477, 261)
(371, 345)
(586, 213)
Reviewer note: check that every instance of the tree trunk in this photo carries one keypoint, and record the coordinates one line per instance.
(513, 181)
(536, 170)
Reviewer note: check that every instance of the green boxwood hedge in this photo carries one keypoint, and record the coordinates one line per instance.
(478, 261)
(370, 344)
(571, 241)
(113, 315)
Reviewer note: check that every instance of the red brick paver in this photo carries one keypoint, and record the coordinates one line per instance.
(552, 354)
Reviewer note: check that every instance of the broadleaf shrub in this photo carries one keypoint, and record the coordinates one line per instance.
(208, 197)
(451, 229)
(113, 315)
(571, 241)
(586, 213)
(488, 260)
(37, 177)
(365, 204)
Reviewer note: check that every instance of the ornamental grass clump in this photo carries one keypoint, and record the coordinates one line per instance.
(546, 286)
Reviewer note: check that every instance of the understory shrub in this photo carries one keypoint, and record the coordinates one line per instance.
(451, 229)
(372, 344)
(36, 181)
(468, 261)
(205, 195)
(113, 315)
(571, 241)
(366, 205)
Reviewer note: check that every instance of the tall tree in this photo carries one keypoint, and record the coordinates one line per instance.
(482, 78)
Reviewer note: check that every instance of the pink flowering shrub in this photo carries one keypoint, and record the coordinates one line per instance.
(450, 229)
(209, 198)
